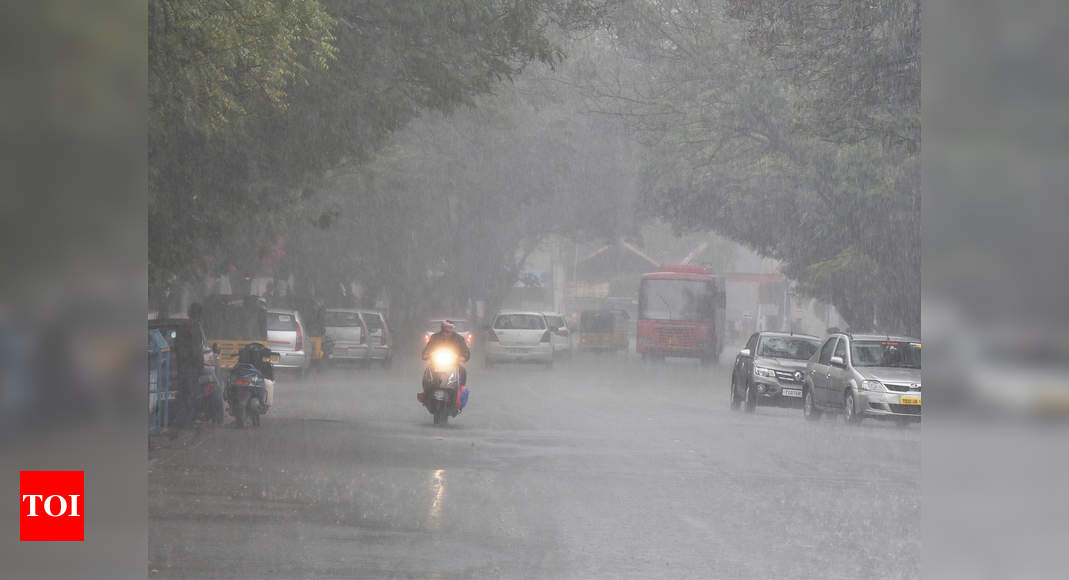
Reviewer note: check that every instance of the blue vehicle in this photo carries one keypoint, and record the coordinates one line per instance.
(249, 383)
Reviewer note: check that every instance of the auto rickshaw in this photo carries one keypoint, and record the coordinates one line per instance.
(233, 321)
(603, 330)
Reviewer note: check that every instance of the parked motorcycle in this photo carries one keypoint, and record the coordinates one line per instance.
(246, 389)
(443, 394)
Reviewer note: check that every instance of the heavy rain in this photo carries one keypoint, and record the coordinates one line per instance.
(542, 288)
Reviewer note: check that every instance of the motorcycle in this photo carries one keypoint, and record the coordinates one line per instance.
(246, 389)
(443, 395)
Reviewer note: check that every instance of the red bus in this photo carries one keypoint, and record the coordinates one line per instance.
(681, 313)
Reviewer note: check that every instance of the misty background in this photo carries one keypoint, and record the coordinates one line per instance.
(384, 155)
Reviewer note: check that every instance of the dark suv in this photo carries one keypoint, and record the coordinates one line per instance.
(771, 368)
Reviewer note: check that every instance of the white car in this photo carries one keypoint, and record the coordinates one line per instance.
(562, 335)
(519, 337)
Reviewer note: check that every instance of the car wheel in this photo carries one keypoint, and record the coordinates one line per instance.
(751, 399)
(809, 407)
(850, 409)
(733, 394)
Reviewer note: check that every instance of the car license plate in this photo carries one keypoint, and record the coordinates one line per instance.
(792, 393)
(910, 400)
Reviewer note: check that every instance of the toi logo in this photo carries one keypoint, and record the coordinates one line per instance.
(51, 505)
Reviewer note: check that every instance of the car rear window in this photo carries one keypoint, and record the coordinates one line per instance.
(519, 322)
(373, 320)
(339, 318)
(596, 321)
(278, 321)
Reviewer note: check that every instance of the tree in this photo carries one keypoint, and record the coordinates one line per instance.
(739, 140)
(252, 102)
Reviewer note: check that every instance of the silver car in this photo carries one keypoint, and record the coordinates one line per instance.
(345, 328)
(865, 375)
(379, 343)
(286, 336)
(771, 369)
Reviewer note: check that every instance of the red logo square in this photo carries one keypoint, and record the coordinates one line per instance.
(52, 506)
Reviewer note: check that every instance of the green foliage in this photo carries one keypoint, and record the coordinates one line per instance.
(790, 131)
(212, 62)
(252, 103)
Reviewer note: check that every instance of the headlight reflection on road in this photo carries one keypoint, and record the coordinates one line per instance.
(434, 518)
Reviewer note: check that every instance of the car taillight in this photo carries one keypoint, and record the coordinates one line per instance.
(209, 387)
(491, 336)
(545, 336)
(468, 338)
(426, 338)
(300, 338)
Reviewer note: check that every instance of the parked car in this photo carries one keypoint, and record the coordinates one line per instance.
(378, 337)
(770, 369)
(346, 331)
(286, 336)
(865, 375)
(462, 328)
(561, 336)
(519, 337)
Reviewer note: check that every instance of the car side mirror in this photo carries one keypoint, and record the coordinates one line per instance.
(744, 352)
(837, 361)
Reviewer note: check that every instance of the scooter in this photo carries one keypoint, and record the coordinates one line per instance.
(443, 395)
(246, 388)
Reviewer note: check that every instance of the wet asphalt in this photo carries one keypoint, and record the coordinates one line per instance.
(602, 467)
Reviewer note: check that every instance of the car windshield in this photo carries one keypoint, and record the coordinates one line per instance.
(520, 322)
(279, 321)
(886, 353)
(341, 318)
(691, 300)
(436, 325)
(789, 347)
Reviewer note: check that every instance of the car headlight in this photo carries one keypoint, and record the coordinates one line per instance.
(875, 386)
(763, 372)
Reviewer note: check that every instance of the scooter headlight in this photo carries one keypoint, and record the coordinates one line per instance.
(444, 359)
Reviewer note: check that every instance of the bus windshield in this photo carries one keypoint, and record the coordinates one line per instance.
(692, 300)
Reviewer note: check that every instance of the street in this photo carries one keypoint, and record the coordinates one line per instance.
(602, 467)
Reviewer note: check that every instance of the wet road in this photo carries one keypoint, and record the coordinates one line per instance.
(599, 468)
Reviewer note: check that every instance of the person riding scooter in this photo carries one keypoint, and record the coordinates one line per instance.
(448, 336)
